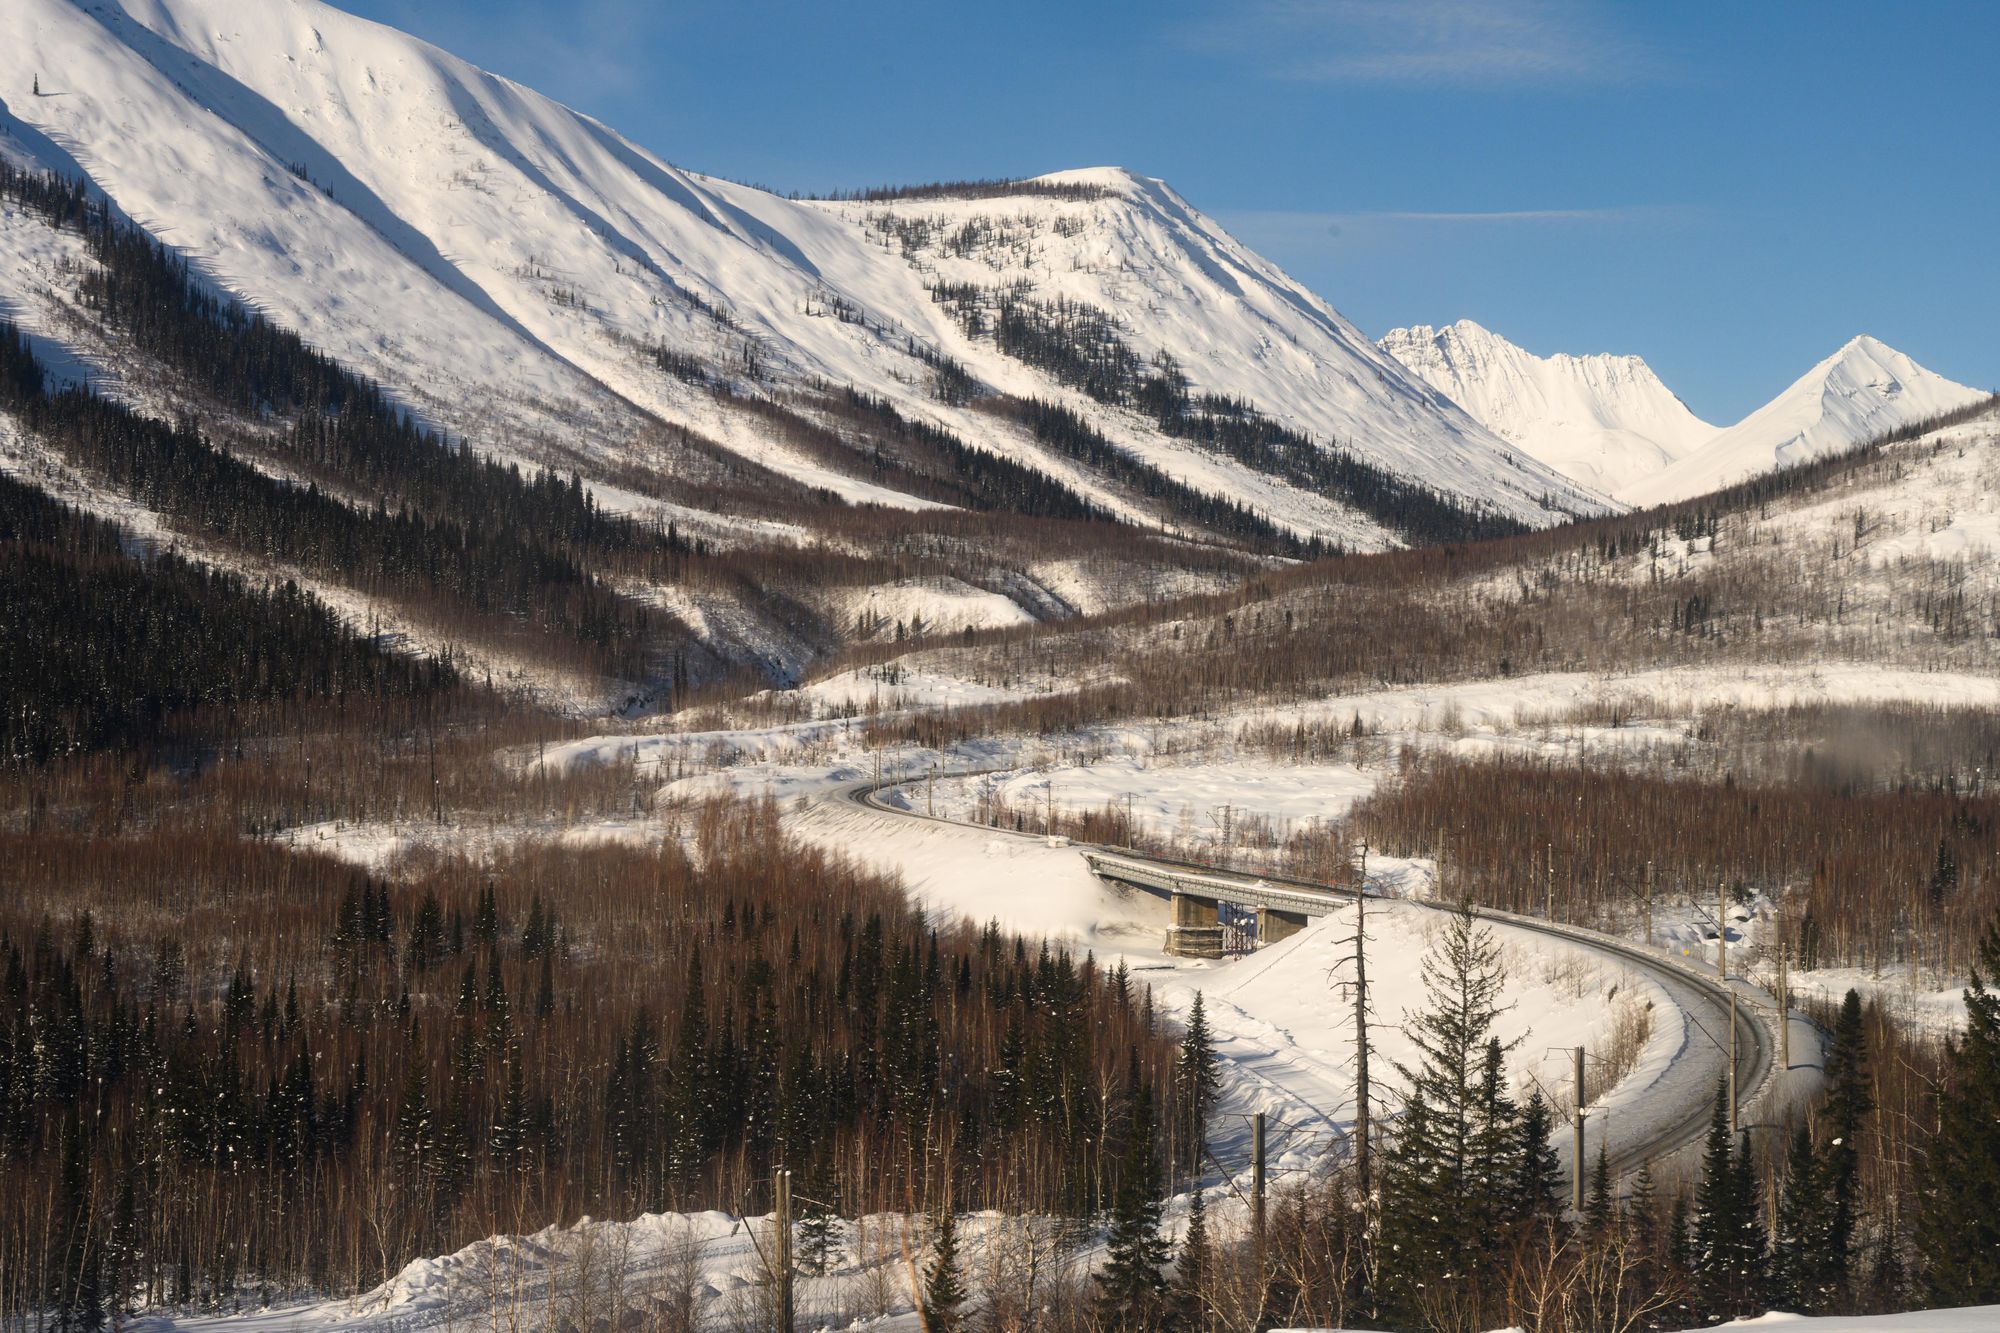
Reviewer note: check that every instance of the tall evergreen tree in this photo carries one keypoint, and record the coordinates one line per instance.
(1196, 1077)
(1600, 1208)
(1728, 1242)
(1192, 1275)
(1958, 1224)
(1802, 1270)
(1131, 1286)
(1848, 1102)
(944, 1285)
(1538, 1181)
(1442, 1175)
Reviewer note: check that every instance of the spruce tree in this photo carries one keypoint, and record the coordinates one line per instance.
(1848, 1102)
(944, 1285)
(1192, 1269)
(1130, 1286)
(1801, 1267)
(1443, 1179)
(1958, 1224)
(1728, 1255)
(1538, 1182)
(819, 1225)
(1196, 1078)
(1600, 1209)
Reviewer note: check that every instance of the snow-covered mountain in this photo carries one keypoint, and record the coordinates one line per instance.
(1611, 424)
(1861, 391)
(522, 274)
(1605, 420)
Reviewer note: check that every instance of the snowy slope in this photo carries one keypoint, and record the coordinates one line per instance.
(1238, 326)
(1859, 392)
(1605, 420)
(510, 266)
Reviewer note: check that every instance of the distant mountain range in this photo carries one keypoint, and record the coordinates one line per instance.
(1610, 423)
(904, 412)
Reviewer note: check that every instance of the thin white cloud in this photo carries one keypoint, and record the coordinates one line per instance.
(1638, 213)
(1437, 42)
(1305, 221)
(1296, 231)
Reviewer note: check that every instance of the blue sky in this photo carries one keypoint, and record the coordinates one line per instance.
(1728, 189)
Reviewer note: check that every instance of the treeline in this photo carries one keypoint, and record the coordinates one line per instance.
(1860, 878)
(865, 436)
(1606, 595)
(1083, 347)
(1062, 430)
(101, 649)
(999, 188)
(224, 1066)
(504, 572)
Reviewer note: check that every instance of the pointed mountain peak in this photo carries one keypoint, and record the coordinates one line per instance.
(1865, 389)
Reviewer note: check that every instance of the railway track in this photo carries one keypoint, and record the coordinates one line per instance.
(1702, 996)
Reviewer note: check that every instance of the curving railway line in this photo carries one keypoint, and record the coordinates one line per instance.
(1703, 997)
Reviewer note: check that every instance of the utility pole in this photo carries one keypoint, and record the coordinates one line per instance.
(1579, 1165)
(1784, 1007)
(1721, 931)
(783, 1249)
(1549, 883)
(1649, 904)
(878, 770)
(930, 793)
(1732, 1063)
(1257, 1185)
(1362, 1145)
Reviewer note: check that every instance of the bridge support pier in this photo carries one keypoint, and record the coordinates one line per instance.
(1195, 929)
(1274, 924)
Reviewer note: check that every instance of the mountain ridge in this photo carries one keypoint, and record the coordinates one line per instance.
(1609, 421)
(1603, 419)
(1864, 389)
(512, 267)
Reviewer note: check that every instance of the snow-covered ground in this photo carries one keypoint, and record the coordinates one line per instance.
(1971, 1319)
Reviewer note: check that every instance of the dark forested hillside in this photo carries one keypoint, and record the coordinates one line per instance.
(498, 571)
(99, 648)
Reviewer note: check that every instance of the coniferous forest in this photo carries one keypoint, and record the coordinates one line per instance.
(233, 1067)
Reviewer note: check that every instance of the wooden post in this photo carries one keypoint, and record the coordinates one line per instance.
(1580, 1165)
(1649, 904)
(784, 1250)
(1363, 1148)
(1732, 1062)
(1721, 931)
(1784, 1006)
(1257, 1184)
